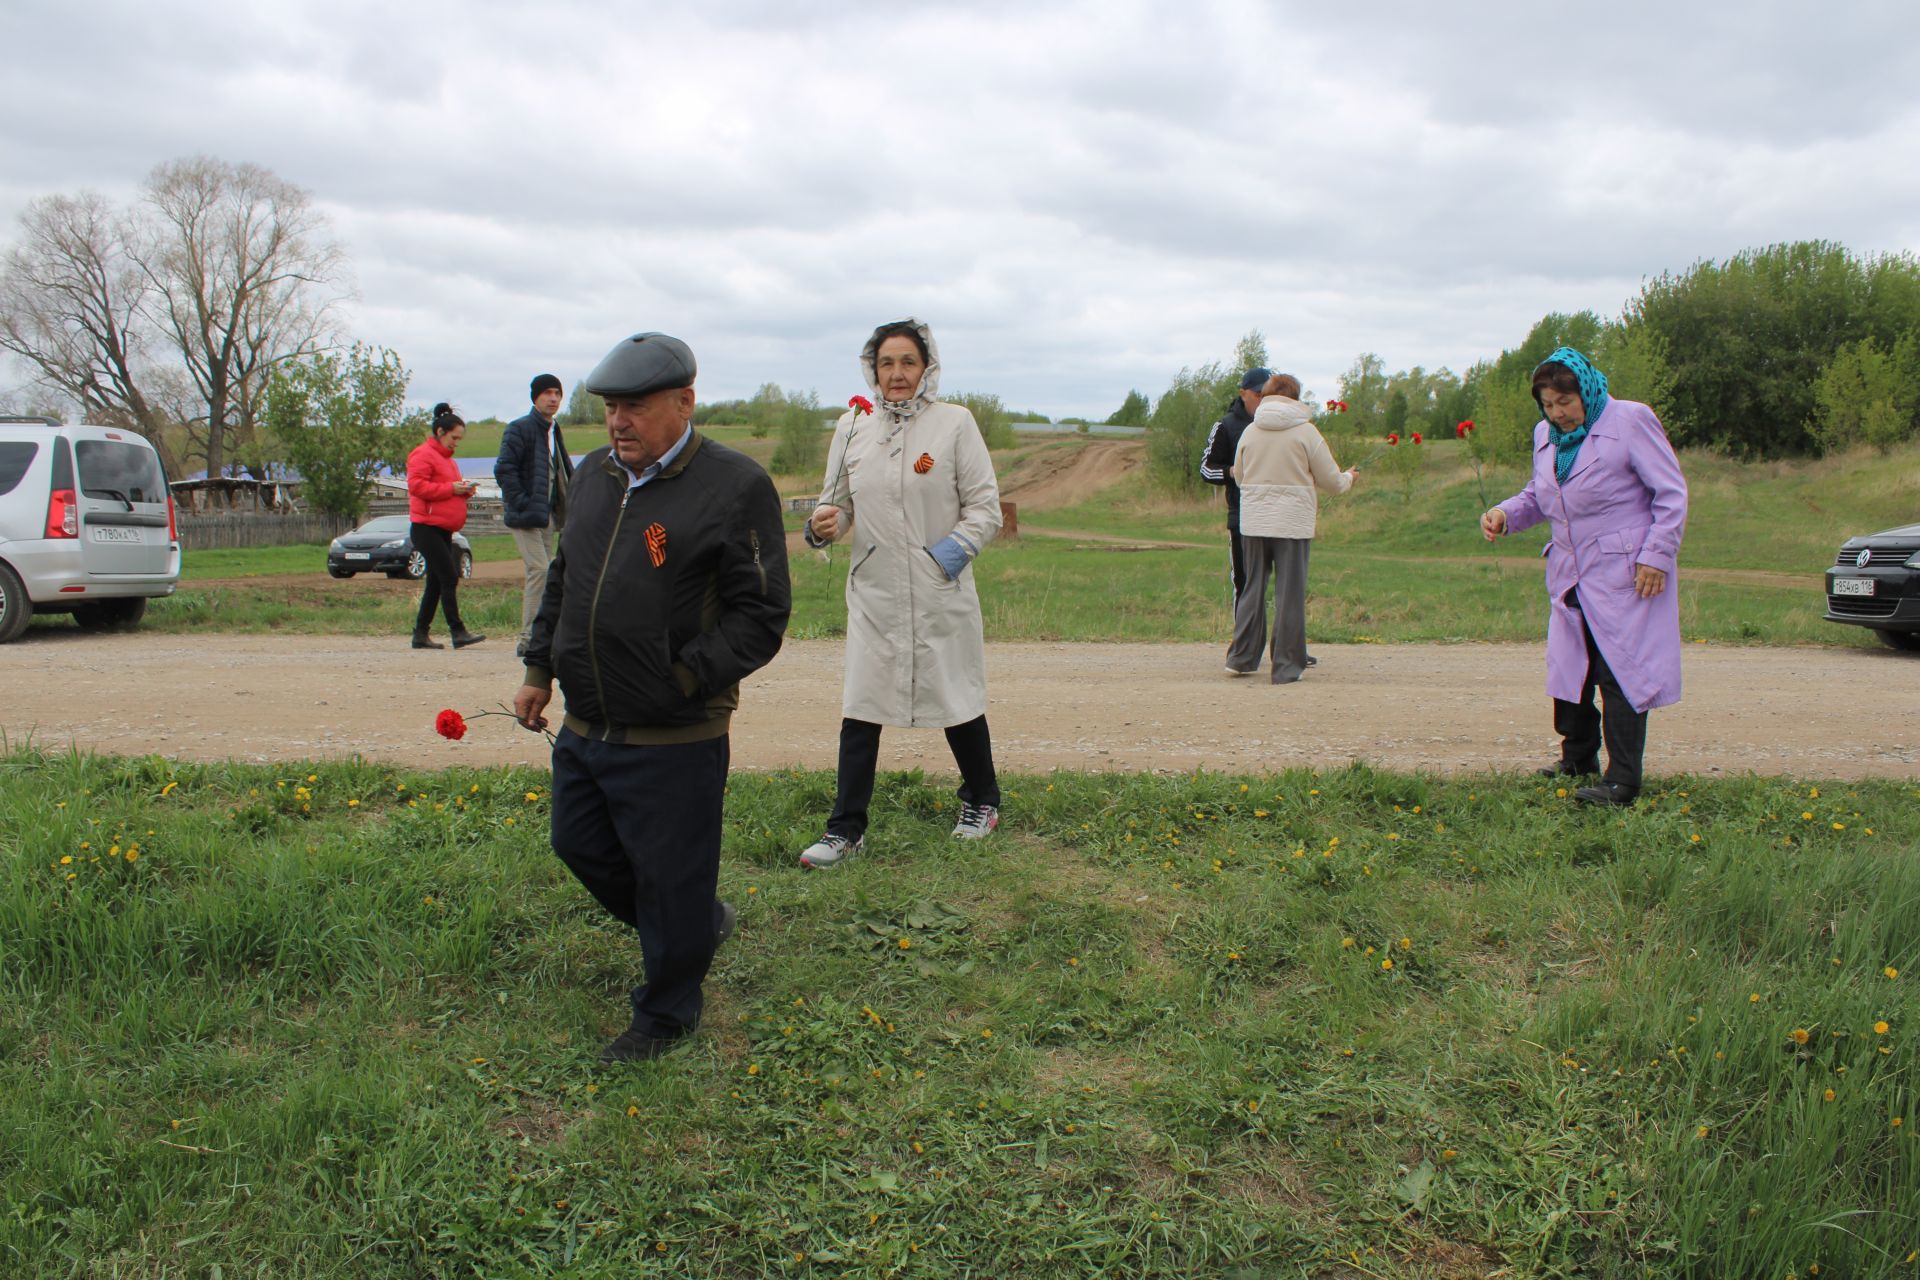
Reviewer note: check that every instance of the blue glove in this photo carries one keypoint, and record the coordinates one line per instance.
(952, 553)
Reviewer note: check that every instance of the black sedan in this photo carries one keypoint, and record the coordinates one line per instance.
(1875, 582)
(385, 545)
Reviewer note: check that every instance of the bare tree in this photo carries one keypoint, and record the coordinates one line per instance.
(72, 307)
(243, 275)
(169, 317)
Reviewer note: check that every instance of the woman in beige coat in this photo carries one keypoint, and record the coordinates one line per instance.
(910, 488)
(1281, 462)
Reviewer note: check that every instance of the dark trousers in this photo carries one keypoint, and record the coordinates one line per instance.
(1285, 561)
(640, 828)
(1582, 728)
(443, 578)
(972, 748)
(1238, 563)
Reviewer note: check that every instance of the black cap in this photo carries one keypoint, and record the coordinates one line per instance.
(543, 382)
(642, 365)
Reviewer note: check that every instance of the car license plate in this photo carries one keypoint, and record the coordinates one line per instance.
(1853, 586)
(359, 555)
(113, 533)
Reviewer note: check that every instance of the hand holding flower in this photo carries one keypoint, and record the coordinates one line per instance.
(1493, 523)
(528, 705)
(825, 522)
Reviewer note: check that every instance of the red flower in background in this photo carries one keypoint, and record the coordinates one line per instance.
(1394, 438)
(1463, 428)
(1330, 405)
(1342, 404)
(450, 724)
(860, 405)
(1416, 437)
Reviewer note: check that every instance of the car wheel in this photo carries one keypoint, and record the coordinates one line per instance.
(334, 571)
(416, 565)
(15, 609)
(466, 564)
(1905, 641)
(111, 615)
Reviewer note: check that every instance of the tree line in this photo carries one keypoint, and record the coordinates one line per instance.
(1780, 352)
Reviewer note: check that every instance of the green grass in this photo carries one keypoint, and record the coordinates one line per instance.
(340, 1019)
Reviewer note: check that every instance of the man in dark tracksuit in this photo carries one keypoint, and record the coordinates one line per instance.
(1217, 458)
(669, 587)
(532, 472)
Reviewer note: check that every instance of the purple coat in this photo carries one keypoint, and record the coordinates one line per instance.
(1624, 503)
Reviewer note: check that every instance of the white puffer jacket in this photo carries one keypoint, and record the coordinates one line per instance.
(1281, 461)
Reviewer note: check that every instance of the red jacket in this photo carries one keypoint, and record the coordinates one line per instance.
(431, 474)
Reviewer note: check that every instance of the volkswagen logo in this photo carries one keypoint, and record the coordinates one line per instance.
(1864, 559)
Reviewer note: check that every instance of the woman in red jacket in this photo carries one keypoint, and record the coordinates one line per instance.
(437, 504)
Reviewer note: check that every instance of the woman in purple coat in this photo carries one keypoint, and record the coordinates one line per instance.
(1606, 479)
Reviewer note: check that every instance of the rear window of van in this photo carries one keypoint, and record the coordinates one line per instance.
(111, 469)
(15, 457)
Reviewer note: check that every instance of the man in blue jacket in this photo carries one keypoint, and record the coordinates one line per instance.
(533, 470)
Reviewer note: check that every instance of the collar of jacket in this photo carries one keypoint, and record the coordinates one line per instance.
(1281, 413)
(1603, 427)
(611, 465)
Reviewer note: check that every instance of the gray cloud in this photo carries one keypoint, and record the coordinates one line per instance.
(1081, 197)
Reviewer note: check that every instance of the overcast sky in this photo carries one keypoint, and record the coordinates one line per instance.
(1081, 198)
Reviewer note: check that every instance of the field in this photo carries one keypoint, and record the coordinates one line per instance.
(1399, 560)
(338, 1018)
(335, 1019)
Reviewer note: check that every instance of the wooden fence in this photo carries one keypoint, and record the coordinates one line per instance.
(254, 529)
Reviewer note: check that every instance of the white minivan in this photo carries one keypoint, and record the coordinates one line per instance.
(86, 525)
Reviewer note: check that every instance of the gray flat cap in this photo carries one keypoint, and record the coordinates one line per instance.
(642, 365)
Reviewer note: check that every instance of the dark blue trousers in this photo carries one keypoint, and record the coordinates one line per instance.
(639, 826)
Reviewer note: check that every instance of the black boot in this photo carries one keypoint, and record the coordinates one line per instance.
(421, 640)
(461, 639)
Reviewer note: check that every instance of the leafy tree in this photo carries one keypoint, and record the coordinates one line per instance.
(1133, 411)
(1182, 416)
(766, 410)
(803, 434)
(990, 415)
(583, 409)
(1869, 395)
(339, 419)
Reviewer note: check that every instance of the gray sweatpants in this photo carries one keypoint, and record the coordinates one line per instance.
(1286, 560)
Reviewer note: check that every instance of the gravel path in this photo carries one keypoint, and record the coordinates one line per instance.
(1817, 713)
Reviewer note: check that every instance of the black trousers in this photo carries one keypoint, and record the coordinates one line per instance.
(1582, 728)
(443, 578)
(640, 828)
(972, 748)
(1239, 563)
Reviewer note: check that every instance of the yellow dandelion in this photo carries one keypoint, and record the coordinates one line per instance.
(1346, 942)
(1560, 793)
(1073, 962)
(1813, 794)
(918, 1149)
(1701, 1132)
(1897, 1121)
(1880, 1028)
(753, 1069)
(1406, 944)
(1448, 1154)
(1800, 1035)
(986, 1033)
(1253, 1104)
(1754, 998)
(66, 860)
(164, 791)
(474, 789)
(1695, 837)
(906, 944)
(532, 796)
(1839, 826)
(353, 804)
(1806, 815)
(1387, 963)
(1891, 972)
(1828, 1095)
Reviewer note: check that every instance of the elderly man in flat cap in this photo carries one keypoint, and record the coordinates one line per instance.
(669, 586)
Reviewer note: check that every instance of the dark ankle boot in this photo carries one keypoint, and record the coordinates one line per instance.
(421, 640)
(461, 639)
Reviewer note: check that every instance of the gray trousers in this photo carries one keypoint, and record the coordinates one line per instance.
(536, 553)
(1286, 560)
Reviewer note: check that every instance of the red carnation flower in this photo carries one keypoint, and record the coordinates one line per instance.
(1330, 405)
(1343, 406)
(450, 724)
(1416, 437)
(1394, 438)
(860, 405)
(1463, 428)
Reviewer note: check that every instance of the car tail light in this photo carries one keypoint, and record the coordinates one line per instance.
(173, 531)
(63, 515)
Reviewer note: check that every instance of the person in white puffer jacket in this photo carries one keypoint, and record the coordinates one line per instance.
(1281, 464)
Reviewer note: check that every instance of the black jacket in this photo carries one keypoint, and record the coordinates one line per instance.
(524, 473)
(661, 598)
(1222, 441)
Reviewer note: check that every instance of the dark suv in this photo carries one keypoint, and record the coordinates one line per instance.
(1875, 582)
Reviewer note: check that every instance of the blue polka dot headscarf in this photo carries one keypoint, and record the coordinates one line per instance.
(1593, 397)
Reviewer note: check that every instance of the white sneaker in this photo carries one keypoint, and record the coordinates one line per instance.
(976, 821)
(1235, 671)
(829, 849)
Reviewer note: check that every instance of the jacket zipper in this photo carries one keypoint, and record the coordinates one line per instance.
(753, 536)
(593, 610)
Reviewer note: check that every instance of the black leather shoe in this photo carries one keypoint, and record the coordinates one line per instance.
(421, 640)
(636, 1046)
(1606, 793)
(724, 930)
(1312, 661)
(1562, 769)
(461, 639)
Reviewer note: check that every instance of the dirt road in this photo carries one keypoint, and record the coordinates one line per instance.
(1818, 713)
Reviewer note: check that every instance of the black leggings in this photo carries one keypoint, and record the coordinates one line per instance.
(972, 748)
(443, 578)
(1582, 728)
